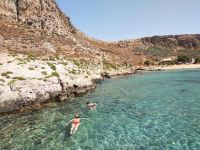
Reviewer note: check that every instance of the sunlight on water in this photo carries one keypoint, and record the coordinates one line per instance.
(158, 110)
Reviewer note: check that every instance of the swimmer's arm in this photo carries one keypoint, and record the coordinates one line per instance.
(69, 122)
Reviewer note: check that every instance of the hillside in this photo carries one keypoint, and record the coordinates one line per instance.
(164, 46)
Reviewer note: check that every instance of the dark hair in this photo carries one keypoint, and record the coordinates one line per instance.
(88, 102)
(77, 116)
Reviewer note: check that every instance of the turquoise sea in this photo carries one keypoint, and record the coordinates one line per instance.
(150, 111)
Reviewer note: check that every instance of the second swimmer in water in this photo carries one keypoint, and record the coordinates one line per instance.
(91, 106)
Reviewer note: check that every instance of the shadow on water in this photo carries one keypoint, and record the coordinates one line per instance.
(67, 132)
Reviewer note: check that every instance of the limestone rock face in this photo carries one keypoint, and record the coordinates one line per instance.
(183, 41)
(41, 14)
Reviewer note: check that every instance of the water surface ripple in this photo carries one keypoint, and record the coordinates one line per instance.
(158, 110)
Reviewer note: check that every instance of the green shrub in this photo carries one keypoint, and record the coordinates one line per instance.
(172, 62)
(42, 67)
(147, 62)
(31, 57)
(73, 71)
(184, 59)
(1, 64)
(79, 63)
(108, 66)
(2, 80)
(197, 60)
(6, 73)
(19, 78)
(53, 74)
(52, 66)
(52, 58)
(11, 82)
(44, 72)
(31, 68)
(22, 63)
(63, 63)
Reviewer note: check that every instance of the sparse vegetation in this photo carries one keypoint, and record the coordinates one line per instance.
(1, 64)
(53, 74)
(147, 63)
(52, 58)
(172, 62)
(21, 61)
(31, 68)
(5, 74)
(52, 66)
(44, 73)
(42, 67)
(31, 57)
(63, 63)
(197, 60)
(12, 82)
(2, 80)
(109, 66)
(155, 51)
(79, 63)
(73, 71)
(184, 59)
(19, 78)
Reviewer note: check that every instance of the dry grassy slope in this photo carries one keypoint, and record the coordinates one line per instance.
(163, 46)
(44, 30)
(41, 24)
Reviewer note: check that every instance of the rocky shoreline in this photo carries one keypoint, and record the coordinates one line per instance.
(20, 105)
(28, 83)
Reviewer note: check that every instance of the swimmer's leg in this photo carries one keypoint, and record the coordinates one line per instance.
(72, 129)
(76, 128)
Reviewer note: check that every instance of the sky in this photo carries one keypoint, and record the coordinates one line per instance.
(113, 20)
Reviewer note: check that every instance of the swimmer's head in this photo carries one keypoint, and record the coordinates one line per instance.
(88, 102)
(77, 116)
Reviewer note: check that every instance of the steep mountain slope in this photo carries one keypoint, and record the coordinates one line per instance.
(41, 26)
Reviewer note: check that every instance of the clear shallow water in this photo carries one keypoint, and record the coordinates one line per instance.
(158, 110)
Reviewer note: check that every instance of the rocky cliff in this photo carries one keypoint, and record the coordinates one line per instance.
(41, 14)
